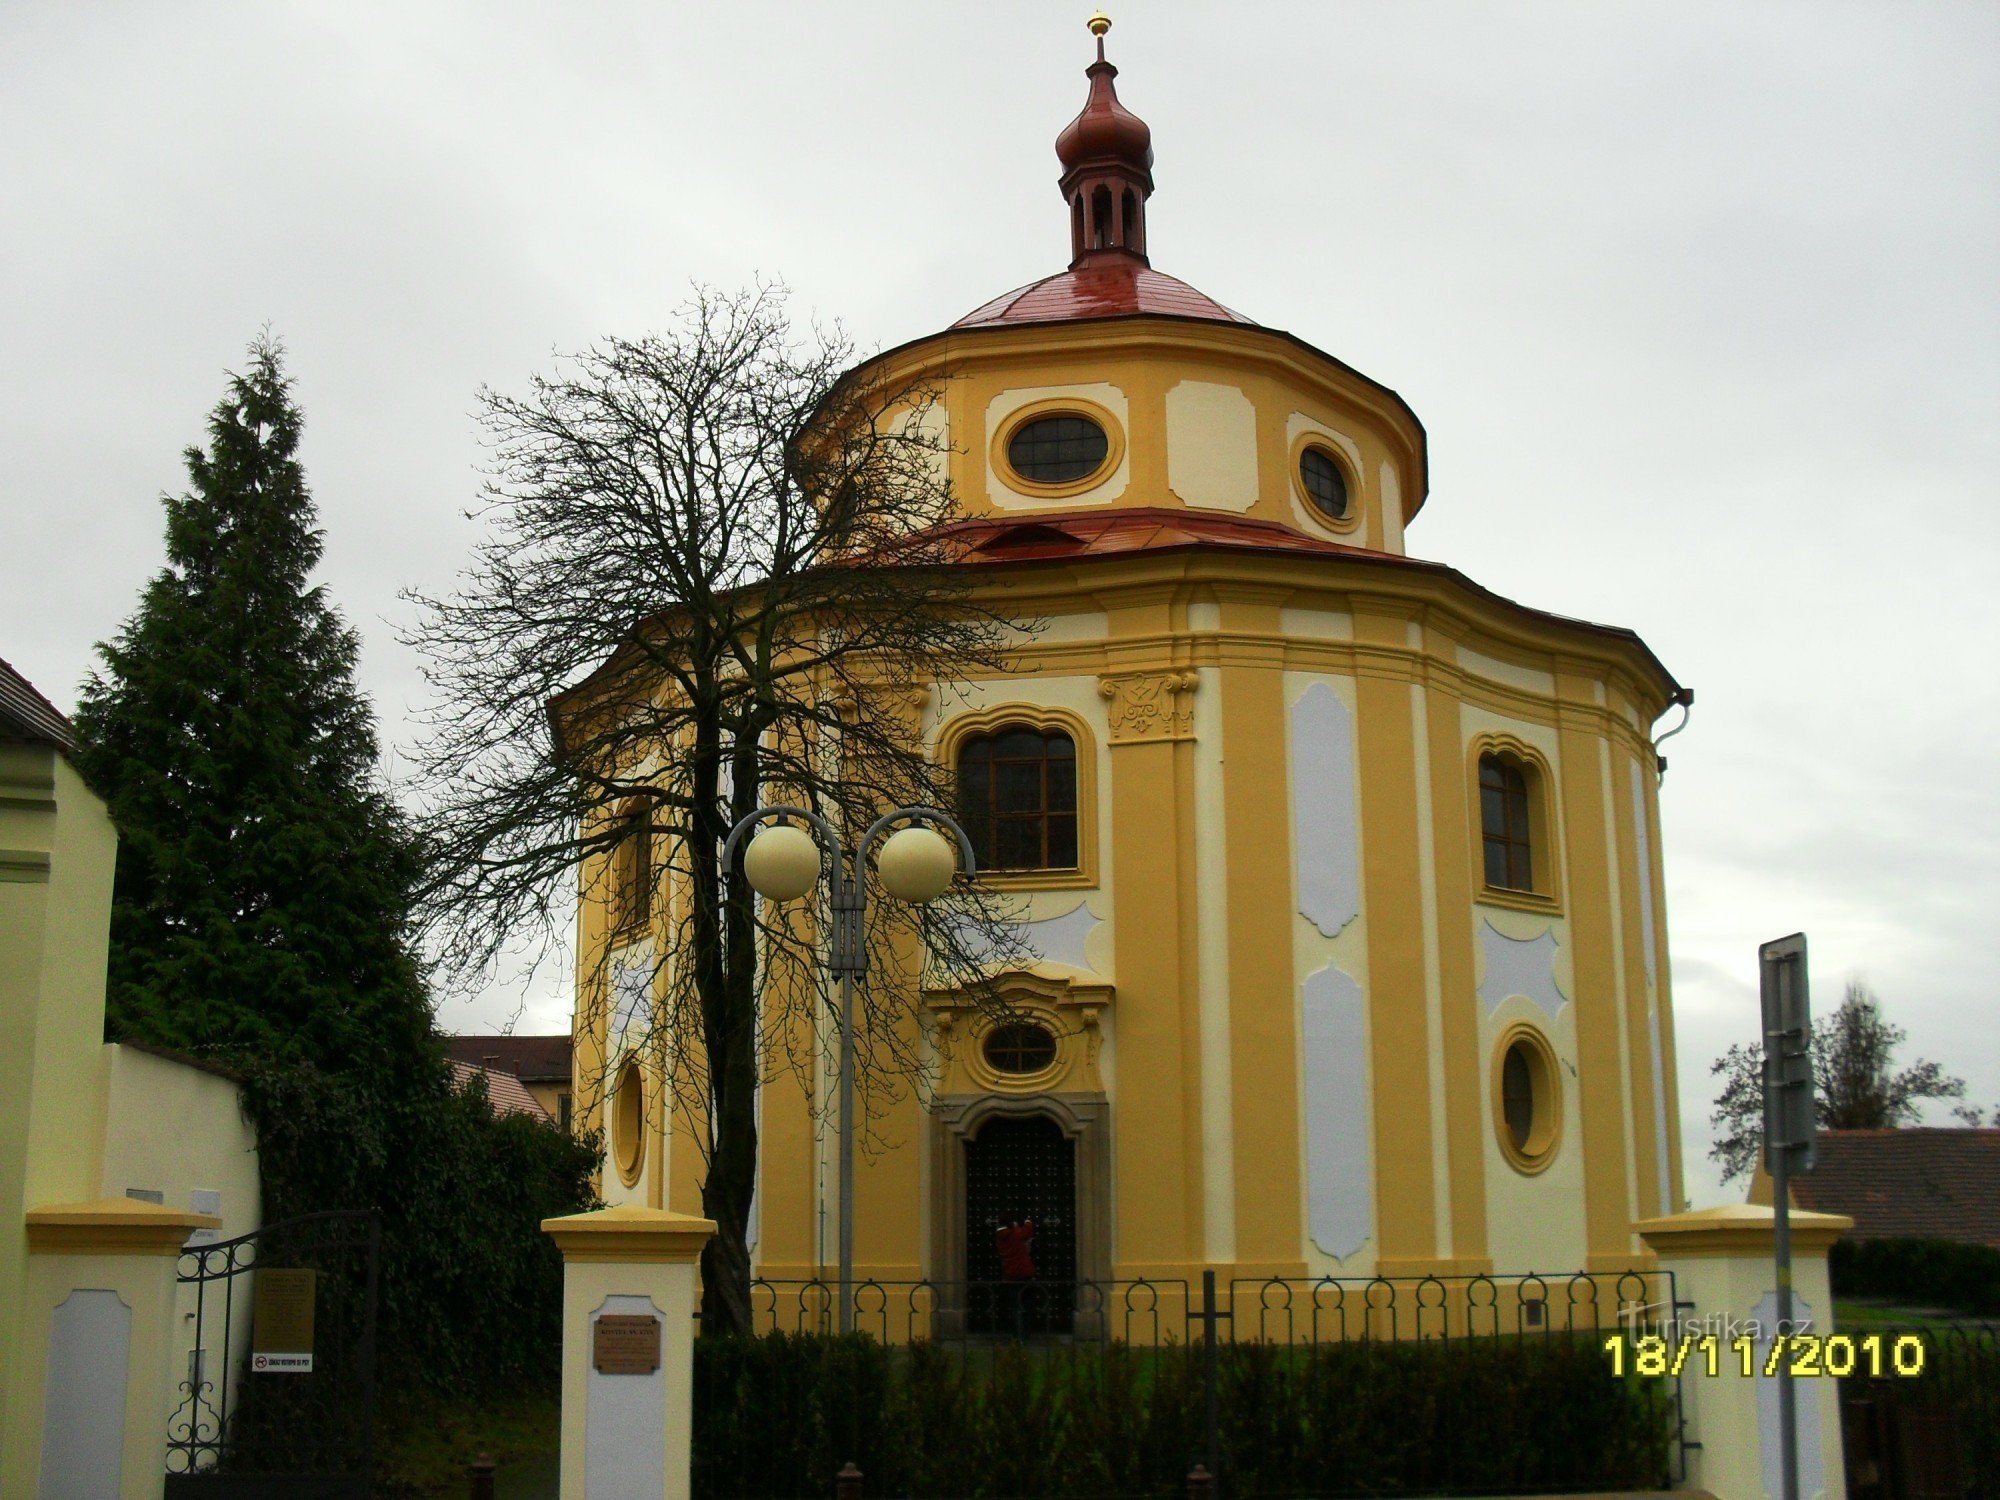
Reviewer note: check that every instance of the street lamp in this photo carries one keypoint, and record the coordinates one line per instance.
(916, 865)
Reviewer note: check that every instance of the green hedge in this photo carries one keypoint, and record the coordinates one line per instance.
(1919, 1273)
(777, 1416)
(471, 1289)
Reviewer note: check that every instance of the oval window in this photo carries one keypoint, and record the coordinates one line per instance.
(628, 1121)
(1324, 483)
(1058, 449)
(1517, 1096)
(1527, 1100)
(1020, 1047)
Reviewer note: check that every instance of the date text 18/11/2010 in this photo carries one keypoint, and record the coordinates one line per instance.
(1810, 1355)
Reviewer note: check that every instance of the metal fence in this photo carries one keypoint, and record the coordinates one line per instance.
(1150, 1313)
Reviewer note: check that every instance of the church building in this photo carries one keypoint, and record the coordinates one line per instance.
(1342, 873)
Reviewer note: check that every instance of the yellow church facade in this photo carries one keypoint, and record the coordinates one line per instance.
(1341, 874)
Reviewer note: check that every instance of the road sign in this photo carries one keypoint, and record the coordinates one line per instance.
(1789, 1122)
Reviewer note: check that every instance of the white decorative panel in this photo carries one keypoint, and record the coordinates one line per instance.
(1212, 446)
(1656, 1047)
(1340, 1179)
(1325, 856)
(624, 1439)
(83, 1412)
(1812, 1472)
(1056, 940)
(1514, 967)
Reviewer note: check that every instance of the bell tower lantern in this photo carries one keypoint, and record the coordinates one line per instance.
(1107, 159)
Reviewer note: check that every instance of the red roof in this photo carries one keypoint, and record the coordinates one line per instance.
(537, 1059)
(506, 1093)
(1917, 1183)
(1098, 533)
(1106, 286)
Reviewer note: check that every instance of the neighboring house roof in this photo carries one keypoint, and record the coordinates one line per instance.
(26, 715)
(506, 1093)
(1916, 1183)
(532, 1059)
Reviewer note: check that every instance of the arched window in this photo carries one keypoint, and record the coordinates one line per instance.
(1504, 824)
(1017, 799)
(632, 868)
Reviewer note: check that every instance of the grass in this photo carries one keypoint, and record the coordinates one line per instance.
(1864, 1314)
(428, 1443)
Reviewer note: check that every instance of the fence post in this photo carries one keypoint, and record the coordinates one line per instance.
(1208, 1315)
(628, 1351)
(97, 1350)
(480, 1478)
(1721, 1260)
(847, 1483)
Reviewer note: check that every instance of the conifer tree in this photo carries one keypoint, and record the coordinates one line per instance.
(264, 876)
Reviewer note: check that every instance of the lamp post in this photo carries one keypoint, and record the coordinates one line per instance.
(785, 860)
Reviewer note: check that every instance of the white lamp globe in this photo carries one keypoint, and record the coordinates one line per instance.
(782, 862)
(916, 865)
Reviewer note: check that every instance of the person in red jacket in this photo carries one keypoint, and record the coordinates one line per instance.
(1016, 1244)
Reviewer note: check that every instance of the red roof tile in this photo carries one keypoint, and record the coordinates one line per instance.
(1100, 532)
(506, 1093)
(1113, 286)
(1918, 1183)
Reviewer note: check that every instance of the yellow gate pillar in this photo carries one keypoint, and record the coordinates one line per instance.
(99, 1366)
(1721, 1259)
(628, 1351)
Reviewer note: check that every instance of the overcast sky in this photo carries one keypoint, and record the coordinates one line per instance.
(1698, 303)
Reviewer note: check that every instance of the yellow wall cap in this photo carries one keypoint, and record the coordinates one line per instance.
(1739, 1229)
(630, 1233)
(113, 1226)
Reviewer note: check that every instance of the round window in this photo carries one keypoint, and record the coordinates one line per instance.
(1324, 483)
(1020, 1047)
(1057, 449)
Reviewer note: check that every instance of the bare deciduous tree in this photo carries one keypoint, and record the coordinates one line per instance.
(1855, 1084)
(714, 575)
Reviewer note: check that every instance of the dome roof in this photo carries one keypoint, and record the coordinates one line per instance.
(1107, 287)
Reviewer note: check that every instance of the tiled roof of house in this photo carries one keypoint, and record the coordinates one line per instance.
(532, 1059)
(1917, 1183)
(26, 715)
(506, 1093)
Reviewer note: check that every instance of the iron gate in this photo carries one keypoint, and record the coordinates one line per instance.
(1020, 1170)
(278, 1395)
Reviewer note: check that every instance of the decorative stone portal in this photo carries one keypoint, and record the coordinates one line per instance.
(1001, 1160)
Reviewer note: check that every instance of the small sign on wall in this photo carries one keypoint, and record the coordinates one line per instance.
(281, 1325)
(626, 1344)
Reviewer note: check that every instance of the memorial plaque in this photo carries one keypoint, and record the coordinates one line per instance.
(281, 1323)
(626, 1344)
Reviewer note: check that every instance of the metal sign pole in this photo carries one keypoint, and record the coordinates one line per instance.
(1789, 1126)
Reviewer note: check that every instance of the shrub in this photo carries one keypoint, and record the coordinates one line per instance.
(470, 1287)
(778, 1416)
(1922, 1273)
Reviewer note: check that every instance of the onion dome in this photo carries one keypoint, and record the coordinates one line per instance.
(1107, 158)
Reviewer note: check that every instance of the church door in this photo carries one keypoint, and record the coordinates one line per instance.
(1020, 1227)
